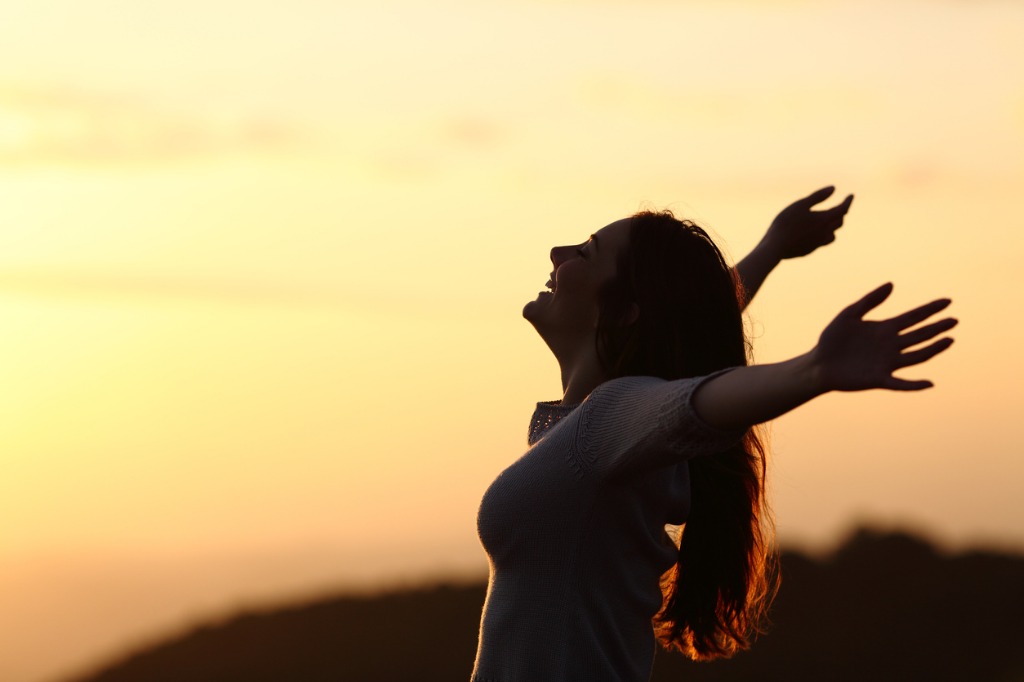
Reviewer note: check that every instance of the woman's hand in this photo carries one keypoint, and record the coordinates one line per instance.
(854, 354)
(798, 230)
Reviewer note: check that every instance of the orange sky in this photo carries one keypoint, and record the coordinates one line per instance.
(262, 267)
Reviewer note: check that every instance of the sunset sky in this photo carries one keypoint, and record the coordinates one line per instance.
(262, 268)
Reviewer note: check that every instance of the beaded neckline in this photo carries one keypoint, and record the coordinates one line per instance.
(547, 415)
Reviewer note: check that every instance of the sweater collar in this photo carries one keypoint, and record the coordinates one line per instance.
(547, 415)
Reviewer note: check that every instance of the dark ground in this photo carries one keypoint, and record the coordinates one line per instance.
(885, 606)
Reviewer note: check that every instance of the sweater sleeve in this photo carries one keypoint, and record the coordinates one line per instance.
(640, 423)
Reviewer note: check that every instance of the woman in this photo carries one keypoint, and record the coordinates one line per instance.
(655, 428)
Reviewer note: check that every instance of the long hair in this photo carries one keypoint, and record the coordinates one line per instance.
(690, 324)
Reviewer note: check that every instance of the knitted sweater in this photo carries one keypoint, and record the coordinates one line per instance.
(575, 533)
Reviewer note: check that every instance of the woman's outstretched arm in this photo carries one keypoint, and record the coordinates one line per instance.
(795, 232)
(853, 354)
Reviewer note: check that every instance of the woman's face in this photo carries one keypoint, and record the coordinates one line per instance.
(569, 311)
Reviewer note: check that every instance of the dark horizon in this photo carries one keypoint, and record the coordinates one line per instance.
(889, 593)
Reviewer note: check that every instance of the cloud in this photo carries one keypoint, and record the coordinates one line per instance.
(472, 132)
(90, 284)
(727, 106)
(425, 149)
(62, 125)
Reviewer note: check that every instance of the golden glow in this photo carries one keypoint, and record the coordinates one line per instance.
(262, 268)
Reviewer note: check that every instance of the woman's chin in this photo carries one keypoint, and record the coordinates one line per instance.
(532, 310)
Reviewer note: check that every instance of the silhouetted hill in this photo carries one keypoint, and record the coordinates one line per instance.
(885, 606)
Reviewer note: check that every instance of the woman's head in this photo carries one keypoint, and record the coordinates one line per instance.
(672, 308)
(636, 292)
(566, 316)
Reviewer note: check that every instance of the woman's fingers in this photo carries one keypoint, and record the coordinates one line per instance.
(918, 314)
(915, 358)
(897, 384)
(838, 212)
(927, 353)
(872, 300)
(911, 317)
(815, 197)
(924, 333)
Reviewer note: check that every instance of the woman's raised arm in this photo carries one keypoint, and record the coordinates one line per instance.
(853, 354)
(796, 231)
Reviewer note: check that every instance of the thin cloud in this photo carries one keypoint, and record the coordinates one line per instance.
(735, 106)
(55, 125)
(472, 132)
(91, 287)
(85, 284)
(423, 150)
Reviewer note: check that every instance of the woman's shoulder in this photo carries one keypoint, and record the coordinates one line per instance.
(638, 384)
(627, 398)
(624, 387)
(628, 383)
(642, 422)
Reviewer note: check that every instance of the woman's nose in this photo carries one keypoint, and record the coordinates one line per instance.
(560, 254)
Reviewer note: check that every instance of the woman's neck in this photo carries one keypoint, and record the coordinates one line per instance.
(581, 374)
(579, 365)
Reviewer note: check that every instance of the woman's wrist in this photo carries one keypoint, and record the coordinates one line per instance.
(769, 251)
(812, 373)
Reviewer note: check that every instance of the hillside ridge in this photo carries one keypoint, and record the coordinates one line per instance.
(886, 605)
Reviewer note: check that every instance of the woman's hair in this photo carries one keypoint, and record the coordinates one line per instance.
(690, 324)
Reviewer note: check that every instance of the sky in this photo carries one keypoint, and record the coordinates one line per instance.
(262, 268)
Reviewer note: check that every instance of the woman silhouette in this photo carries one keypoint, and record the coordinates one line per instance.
(655, 428)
